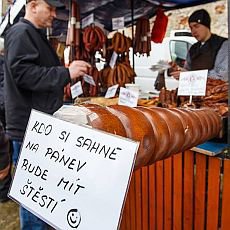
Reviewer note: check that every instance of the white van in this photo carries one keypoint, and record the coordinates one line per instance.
(173, 48)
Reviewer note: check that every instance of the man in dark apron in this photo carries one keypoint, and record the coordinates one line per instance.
(209, 52)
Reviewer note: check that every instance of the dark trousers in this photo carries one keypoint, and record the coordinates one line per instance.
(4, 188)
(5, 160)
(28, 220)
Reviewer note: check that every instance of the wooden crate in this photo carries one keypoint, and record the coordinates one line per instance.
(188, 191)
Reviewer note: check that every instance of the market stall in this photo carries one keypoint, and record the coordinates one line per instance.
(166, 127)
(187, 190)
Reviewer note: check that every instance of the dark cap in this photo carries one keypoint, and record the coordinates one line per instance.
(201, 17)
(55, 3)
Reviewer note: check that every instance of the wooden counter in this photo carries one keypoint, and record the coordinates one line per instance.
(186, 191)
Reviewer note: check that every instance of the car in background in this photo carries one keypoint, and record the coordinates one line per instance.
(173, 48)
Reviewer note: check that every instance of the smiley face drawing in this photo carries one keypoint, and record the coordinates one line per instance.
(74, 218)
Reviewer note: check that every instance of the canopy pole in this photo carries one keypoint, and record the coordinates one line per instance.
(132, 17)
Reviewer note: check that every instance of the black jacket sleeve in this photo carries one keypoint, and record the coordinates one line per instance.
(31, 65)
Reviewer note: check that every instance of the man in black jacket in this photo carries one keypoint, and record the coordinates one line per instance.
(209, 52)
(34, 78)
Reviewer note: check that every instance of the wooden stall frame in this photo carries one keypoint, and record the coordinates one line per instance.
(187, 191)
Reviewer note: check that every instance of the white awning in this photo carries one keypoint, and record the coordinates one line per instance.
(12, 14)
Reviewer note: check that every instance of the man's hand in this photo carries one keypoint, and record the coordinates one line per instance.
(4, 172)
(175, 70)
(78, 68)
(175, 74)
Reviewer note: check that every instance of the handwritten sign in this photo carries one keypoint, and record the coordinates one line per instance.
(89, 79)
(193, 83)
(111, 91)
(128, 97)
(73, 177)
(118, 23)
(76, 89)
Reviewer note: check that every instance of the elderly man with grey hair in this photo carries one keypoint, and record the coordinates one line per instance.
(34, 79)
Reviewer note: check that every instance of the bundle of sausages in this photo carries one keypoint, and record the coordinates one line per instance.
(216, 97)
(121, 73)
(142, 40)
(120, 43)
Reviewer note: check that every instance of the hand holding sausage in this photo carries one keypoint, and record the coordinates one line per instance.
(175, 70)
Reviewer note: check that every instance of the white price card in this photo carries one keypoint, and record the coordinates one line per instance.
(128, 97)
(87, 20)
(113, 59)
(118, 23)
(111, 91)
(89, 79)
(72, 176)
(76, 89)
(67, 55)
(193, 83)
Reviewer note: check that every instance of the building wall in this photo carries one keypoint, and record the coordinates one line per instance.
(178, 19)
(4, 4)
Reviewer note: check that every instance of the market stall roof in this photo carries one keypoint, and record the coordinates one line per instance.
(105, 10)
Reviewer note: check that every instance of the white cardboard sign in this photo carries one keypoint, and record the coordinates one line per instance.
(128, 97)
(113, 60)
(111, 91)
(73, 177)
(87, 20)
(89, 79)
(76, 89)
(118, 23)
(193, 83)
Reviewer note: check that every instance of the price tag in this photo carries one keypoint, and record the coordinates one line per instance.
(111, 91)
(144, 38)
(118, 23)
(193, 83)
(66, 55)
(76, 89)
(128, 97)
(113, 60)
(89, 79)
(87, 20)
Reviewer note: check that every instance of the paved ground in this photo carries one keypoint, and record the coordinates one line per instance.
(9, 219)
